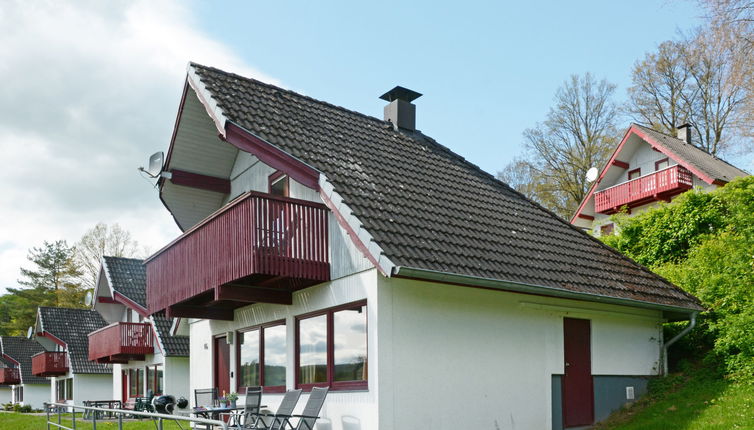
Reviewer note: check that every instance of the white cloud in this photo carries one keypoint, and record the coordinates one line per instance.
(87, 91)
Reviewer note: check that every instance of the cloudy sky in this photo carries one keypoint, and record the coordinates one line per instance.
(89, 89)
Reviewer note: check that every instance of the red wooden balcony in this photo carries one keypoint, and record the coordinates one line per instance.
(660, 185)
(258, 248)
(10, 376)
(121, 342)
(49, 363)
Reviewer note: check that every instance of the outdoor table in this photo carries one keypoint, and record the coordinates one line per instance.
(214, 412)
(108, 404)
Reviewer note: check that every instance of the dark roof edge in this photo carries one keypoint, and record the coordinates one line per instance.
(517, 287)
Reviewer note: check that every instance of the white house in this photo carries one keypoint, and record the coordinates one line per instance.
(324, 247)
(63, 333)
(145, 357)
(646, 168)
(25, 387)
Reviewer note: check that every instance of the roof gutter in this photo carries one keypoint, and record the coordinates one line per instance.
(688, 328)
(497, 284)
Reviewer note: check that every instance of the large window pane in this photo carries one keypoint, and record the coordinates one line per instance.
(274, 355)
(150, 380)
(313, 350)
(69, 389)
(249, 358)
(350, 344)
(160, 381)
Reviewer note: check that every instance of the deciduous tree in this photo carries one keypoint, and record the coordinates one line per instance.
(99, 241)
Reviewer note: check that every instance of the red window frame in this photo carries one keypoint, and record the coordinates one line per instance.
(279, 176)
(333, 385)
(139, 383)
(261, 328)
(631, 173)
(664, 160)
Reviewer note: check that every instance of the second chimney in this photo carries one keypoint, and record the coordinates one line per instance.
(401, 112)
(684, 132)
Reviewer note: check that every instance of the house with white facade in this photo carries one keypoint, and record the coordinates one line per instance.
(16, 372)
(649, 167)
(63, 334)
(325, 247)
(146, 358)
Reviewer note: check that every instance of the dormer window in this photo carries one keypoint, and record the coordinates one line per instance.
(279, 184)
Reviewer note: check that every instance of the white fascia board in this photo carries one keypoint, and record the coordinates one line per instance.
(210, 104)
(375, 252)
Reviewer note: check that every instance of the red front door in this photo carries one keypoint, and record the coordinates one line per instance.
(222, 365)
(578, 393)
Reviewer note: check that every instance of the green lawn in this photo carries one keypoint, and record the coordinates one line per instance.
(16, 421)
(689, 403)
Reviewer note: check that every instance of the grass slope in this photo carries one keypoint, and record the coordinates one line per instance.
(698, 402)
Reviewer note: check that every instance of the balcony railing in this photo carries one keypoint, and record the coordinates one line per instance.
(256, 240)
(49, 363)
(121, 342)
(10, 376)
(655, 186)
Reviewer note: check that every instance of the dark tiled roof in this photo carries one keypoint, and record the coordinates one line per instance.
(73, 326)
(174, 346)
(427, 207)
(21, 349)
(127, 276)
(694, 157)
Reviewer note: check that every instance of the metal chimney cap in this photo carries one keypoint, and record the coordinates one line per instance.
(400, 93)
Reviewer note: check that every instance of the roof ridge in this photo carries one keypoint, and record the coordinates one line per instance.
(691, 145)
(303, 96)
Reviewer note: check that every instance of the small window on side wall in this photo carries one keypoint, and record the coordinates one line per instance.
(662, 164)
(607, 230)
(279, 184)
(633, 174)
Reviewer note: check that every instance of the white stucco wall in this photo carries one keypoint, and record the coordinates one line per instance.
(5, 395)
(35, 394)
(177, 377)
(340, 405)
(92, 387)
(491, 352)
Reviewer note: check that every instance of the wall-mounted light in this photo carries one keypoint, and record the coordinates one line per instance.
(229, 337)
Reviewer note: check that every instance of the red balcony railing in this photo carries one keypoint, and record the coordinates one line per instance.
(121, 342)
(10, 376)
(49, 363)
(654, 186)
(256, 238)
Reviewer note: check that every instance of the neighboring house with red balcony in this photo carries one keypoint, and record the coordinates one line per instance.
(63, 334)
(324, 247)
(144, 355)
(646, 168)
(26, 388)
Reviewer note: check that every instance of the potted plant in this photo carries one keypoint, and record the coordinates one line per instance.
(232, 398)
(223, 402)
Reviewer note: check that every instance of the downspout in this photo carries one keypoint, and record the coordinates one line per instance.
(692, 324)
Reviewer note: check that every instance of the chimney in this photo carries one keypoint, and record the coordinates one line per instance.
(684, 132)
(401, 112)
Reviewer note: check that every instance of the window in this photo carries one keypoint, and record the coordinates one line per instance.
(633, 174)
(155, 379)
(262, 357)
(607, 230)
(19, 394)
(279, 184)
(64, 389)
(331, 348)
(662, 164)
(135, 381)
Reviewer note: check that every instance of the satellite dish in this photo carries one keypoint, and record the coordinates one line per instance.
(88, 298)
(155, 164)
(591, 174)
(29, 332)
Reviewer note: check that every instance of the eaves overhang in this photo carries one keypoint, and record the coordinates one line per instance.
(673, 313)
